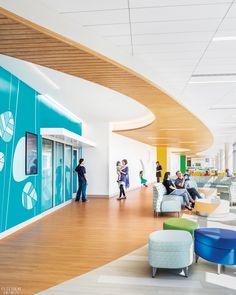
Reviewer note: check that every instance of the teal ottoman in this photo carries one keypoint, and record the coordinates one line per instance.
(171, 249)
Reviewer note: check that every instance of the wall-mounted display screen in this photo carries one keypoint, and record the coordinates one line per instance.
(31, 153)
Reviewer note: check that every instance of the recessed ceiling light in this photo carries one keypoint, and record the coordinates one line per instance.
(212, 82)
(223, 107)
(150, 137)
(177, 129)
(225, 38)
(211, 78)
(187, 142)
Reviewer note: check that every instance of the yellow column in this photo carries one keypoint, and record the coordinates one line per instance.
(162, 158)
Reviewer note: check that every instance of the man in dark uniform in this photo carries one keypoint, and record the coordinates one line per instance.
(83, 182)
(158, 171)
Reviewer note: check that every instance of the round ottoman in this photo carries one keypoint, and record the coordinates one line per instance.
(181, 224)
(170, 249)
(217, 245)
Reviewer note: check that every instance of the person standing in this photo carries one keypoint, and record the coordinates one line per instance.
(158, 171)
(83, 181)
(124, 179)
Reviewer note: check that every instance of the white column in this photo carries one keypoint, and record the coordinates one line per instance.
(216, 162)
(229, 156)
(222, 160)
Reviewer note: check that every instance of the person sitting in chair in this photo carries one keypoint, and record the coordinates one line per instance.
(172, 190)
(143, 180)
(180, 183)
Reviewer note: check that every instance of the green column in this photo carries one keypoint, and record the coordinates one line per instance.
(183, 163)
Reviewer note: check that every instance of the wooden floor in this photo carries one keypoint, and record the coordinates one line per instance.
(75, 240)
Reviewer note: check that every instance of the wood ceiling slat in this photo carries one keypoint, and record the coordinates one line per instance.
(22, 39)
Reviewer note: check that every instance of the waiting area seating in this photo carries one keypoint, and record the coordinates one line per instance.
(213, 181)
(172, 249)
(216, 245)
(163, 203)
(226, 186)
(181, 224)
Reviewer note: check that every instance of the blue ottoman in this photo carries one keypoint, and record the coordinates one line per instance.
(216, 245)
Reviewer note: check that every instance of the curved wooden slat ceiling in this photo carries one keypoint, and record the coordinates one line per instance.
(174, 126)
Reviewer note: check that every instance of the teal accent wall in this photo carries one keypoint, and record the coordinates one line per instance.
(21, 110)
(182, 163)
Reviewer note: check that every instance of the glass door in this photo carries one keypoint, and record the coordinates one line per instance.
(68, 172)
(47, 175)
(75, 178)
(59, 173)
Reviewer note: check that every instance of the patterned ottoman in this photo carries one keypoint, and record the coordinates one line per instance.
(217, 245)
(170, 249)
(181, 224)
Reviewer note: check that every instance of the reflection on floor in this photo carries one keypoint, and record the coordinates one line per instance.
(75, 240)
(131, 274)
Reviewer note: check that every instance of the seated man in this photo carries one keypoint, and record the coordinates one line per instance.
(180, 183)
(187, 175)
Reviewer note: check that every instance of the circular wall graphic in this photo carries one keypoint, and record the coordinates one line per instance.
(29, 196)
(6, 126)
(2, 160)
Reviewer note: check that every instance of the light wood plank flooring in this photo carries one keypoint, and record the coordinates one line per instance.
(76, 239)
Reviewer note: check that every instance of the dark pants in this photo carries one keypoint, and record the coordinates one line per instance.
(81, 189)
(122, 190)
(158, 178)
(194, 193)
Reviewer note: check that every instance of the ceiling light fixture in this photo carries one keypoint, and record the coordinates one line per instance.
(187, 142)
(223, 107)
(212, 82)
(150, 137)
(177, 129)
(225, 38)
(213, 78)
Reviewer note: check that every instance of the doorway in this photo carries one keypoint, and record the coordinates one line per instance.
(75, 178)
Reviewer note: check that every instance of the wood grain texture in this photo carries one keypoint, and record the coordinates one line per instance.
(25, 40)
(75, 240)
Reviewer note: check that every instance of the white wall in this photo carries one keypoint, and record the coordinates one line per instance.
(121, 147)
(173, 162)
(110, 147)
(96, 159)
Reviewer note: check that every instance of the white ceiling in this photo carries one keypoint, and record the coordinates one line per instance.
(176, 38)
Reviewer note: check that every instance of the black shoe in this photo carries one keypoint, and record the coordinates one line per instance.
(189, 208)
(76, 200)
(85, 201)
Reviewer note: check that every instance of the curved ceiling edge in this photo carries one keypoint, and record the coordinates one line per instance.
(174, 126)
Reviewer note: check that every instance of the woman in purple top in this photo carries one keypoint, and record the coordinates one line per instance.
(124, 179)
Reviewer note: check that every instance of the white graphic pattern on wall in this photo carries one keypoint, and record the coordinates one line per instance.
(6, 126)
(29, 196)
(2, 160)
(18, 167)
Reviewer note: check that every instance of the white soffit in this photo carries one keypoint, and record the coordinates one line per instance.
(66, 136)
